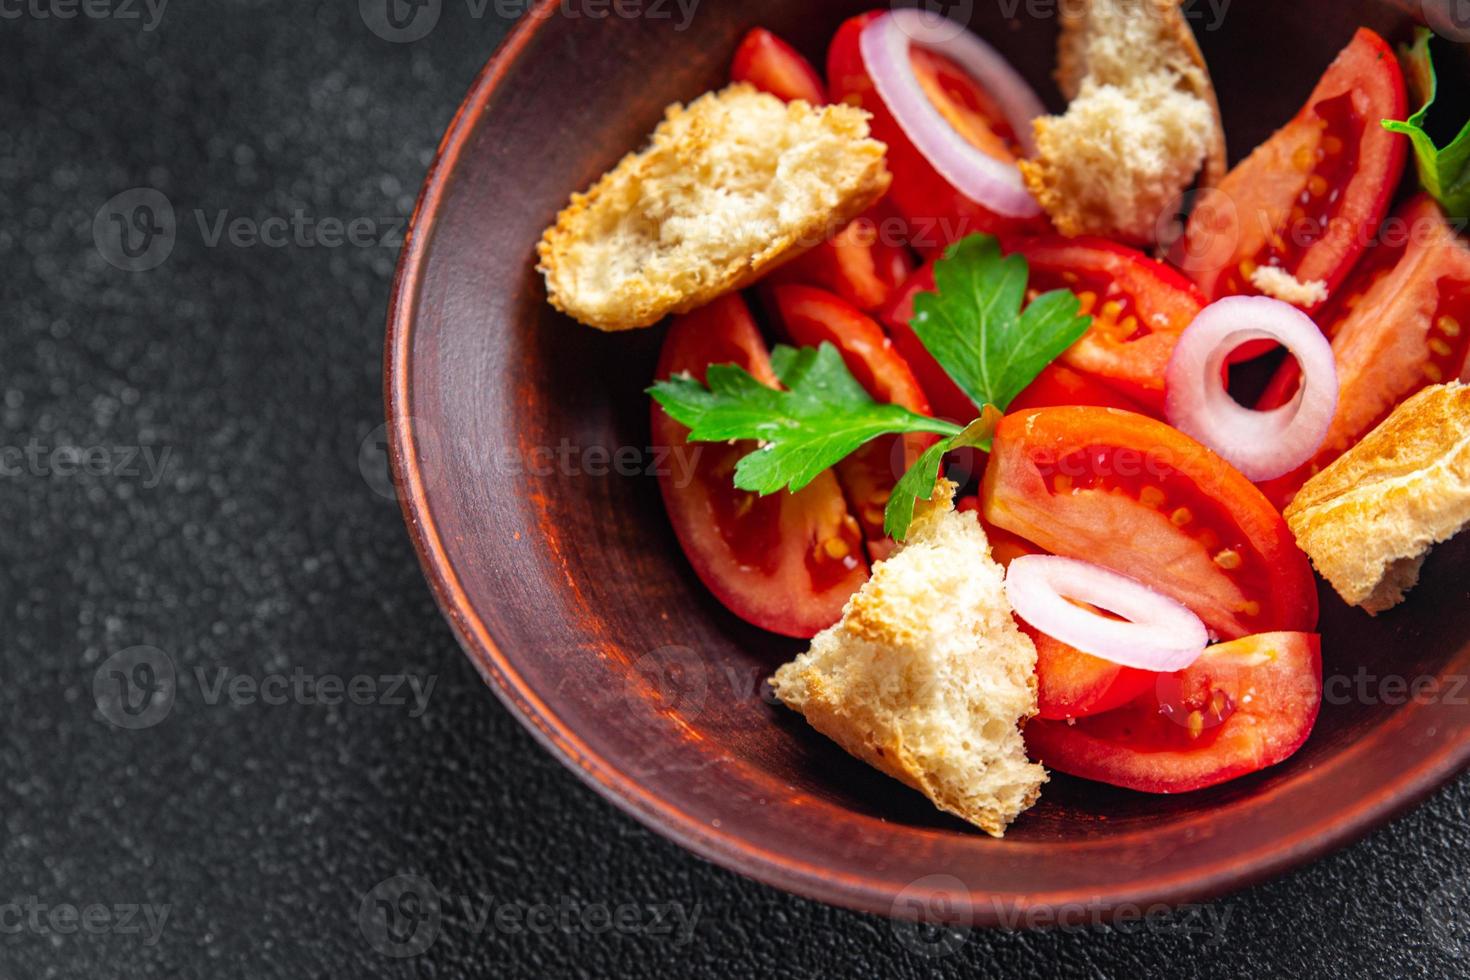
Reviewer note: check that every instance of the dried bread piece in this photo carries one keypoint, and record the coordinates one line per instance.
(729, 187)
(926, 676)
(1369, 519)
(1143, 121)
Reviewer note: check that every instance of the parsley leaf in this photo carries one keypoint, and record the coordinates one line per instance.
(918, 483)
(823, 416)
(974, 327)
(1443, 171)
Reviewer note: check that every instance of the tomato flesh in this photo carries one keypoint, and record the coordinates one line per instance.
(936, 212)
(1132, 494)
(864, 263)
(1139, 307)
(784, 562)
(811, 317)
(1058, 384)
(1241, 707)
(1309, 198)
(1402, 321)
(772, 65)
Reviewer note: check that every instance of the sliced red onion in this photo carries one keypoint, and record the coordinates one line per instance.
(989, 182)
(1159, 633)
(1262, 445)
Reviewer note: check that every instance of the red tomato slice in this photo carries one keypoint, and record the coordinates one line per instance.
(1139, 308)
(813, 316)
(937, 213)
(863, 263)
(772, 65)
(1135, 495)
(1309, 198)
(1058, 384)
(1401, 322)
(785, 562)
(1241, 707)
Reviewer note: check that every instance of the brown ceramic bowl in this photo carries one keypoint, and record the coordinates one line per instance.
(567, 589)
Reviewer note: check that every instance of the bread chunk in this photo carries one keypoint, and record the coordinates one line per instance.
(926, 676)
(728, 188)
(1369, 519)
(1143, 121)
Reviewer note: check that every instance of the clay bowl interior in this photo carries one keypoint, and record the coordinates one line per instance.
(566, 587)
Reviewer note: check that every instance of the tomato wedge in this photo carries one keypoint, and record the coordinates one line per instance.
(1241, 707)
(812, 316)
(937, 213)
(1402, 321)
(772, 65)
(864, 263)
(1308, 199)
(1135, 495)
(1139, 307)
(1058, 384)
(785, 562)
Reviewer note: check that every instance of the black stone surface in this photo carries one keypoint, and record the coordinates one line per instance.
(262, 548)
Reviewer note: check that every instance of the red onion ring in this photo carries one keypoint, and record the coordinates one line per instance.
(1160, 634)
(983, 179)
(1262, 445)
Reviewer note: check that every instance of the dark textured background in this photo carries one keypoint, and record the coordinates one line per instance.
(266, 547)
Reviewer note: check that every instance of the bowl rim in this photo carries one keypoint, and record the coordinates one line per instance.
(727, 848)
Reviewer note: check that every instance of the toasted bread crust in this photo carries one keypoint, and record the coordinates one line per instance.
(688, 139)
(1052, 175)
(926, 677)
(1368, 520)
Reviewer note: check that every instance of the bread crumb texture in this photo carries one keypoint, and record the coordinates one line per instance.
(1143, 121)
(729, 187)
(1369, 519)
(926, 676)
(1277, 283)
